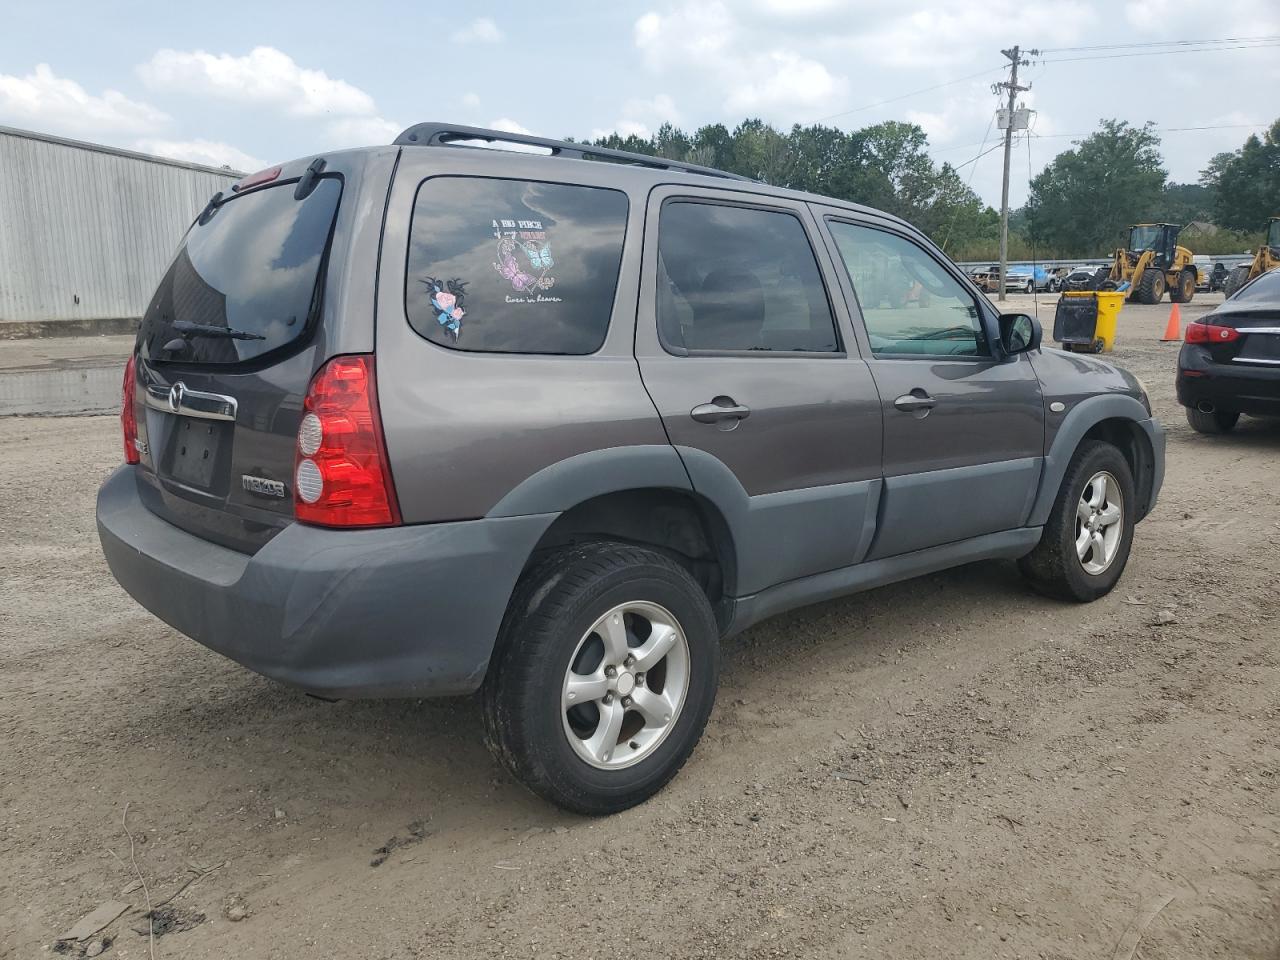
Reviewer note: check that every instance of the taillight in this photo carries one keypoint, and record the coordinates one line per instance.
(128, 421)
(342, 477)
(1202, 332)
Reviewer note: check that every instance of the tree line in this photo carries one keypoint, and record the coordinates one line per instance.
(1080, 204)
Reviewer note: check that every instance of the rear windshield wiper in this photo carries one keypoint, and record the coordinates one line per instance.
(189, 328)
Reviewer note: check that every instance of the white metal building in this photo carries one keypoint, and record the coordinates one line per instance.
(86, 231)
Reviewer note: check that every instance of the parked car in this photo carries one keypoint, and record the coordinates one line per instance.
(423, 419)
(1019, 279)
(1230, 359)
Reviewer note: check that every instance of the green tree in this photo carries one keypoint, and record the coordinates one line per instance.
(1084, 199)
(1246, 183)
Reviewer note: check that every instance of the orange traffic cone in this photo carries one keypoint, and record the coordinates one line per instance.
(1173, 329)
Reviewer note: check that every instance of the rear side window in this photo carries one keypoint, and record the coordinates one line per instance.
(739, 278)
(514, 266)
(246, 279)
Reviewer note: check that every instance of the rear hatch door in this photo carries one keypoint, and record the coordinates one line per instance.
(226, 350)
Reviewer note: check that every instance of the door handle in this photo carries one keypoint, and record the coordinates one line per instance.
(720, 410)
(917, 402)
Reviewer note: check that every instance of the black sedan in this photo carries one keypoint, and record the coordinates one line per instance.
(1230, 359)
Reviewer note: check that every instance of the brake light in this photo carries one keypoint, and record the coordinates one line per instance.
(256, 179)
(1202, 332)
(342, 477)
(128, 421)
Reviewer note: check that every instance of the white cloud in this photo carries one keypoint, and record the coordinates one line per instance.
(362, 131)
(507, 125)
(471, 100)
(751, 70)
(269, 78)
(479, 30)
(937, 125)
(48, 102)
(265, 76)
(209, 152)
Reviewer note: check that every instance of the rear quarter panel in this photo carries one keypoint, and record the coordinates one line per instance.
(465, 429)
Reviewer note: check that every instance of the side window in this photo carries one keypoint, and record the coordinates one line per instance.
(514, 266)
(739, 278)
(910, 304)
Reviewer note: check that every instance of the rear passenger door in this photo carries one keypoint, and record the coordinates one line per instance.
(745, 353)
(963, 426)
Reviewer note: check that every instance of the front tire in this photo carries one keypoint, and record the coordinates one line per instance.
(1088, 536)
(603, 678)
(1219, 421)
(1235, 280)
(1152, 287)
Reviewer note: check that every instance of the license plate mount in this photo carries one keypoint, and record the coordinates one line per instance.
(196, 447)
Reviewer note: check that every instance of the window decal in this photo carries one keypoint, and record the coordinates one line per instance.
(521, 241)
(446, 298)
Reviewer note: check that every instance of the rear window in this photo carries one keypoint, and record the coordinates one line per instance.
(1266, 287)
(246, 280)
(514, 266)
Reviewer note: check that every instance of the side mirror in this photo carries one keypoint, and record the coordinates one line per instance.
(1019, 333)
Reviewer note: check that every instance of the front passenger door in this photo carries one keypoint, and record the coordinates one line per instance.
(963, 426)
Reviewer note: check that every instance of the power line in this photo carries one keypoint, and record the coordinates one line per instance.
(1161, 53)
(1157, 43)
(981, 153)
(1056, 136)
(913, 93)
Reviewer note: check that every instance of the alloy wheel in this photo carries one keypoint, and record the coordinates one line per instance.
(1099, 523)
(625, 685)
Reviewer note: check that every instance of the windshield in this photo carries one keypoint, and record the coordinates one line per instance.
(1144, 238)
(1273, 234)
(244, 281)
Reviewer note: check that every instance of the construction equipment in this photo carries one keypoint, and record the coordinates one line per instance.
(1154, 263)
(1267, 258)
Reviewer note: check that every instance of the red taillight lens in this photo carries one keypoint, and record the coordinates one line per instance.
(1201, 332)
(128, 422)
(342, 477)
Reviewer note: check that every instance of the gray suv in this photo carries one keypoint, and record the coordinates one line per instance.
(427, 419)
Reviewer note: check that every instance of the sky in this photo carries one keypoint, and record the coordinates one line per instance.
(249, 84)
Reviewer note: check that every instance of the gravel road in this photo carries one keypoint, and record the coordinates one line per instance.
(951, 767)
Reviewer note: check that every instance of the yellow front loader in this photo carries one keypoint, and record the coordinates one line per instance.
(1267, 258)
(1153, 263)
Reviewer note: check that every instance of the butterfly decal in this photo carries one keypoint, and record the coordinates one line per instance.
(446, 300)
(539, 259)
(510, 270)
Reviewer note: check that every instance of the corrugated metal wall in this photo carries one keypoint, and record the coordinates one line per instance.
(85, 232)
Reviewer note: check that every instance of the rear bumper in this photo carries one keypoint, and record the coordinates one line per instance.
(403, 611)
(1230, 387)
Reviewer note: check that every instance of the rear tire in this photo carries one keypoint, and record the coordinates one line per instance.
(573, 614)
(1152, 287)
(1059, 566)
(1220, 421)
(1235, 280)
(1185, 290)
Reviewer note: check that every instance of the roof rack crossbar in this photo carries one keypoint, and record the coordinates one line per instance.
(432, 134)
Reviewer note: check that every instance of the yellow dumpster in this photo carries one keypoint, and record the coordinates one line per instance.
(1085, 320)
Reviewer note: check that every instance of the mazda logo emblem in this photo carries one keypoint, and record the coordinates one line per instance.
(175, 396)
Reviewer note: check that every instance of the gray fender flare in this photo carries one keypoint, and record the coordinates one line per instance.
(567, 483)
(1082, 418)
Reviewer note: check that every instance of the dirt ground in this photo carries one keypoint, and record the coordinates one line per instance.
(951, 767)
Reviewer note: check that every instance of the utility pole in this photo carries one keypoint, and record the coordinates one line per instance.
(1011, 85)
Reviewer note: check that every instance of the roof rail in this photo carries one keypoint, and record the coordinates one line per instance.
(432, 134)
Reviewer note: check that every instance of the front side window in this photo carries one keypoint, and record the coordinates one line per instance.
(739, 279)
(514, 266)
(910, 304)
